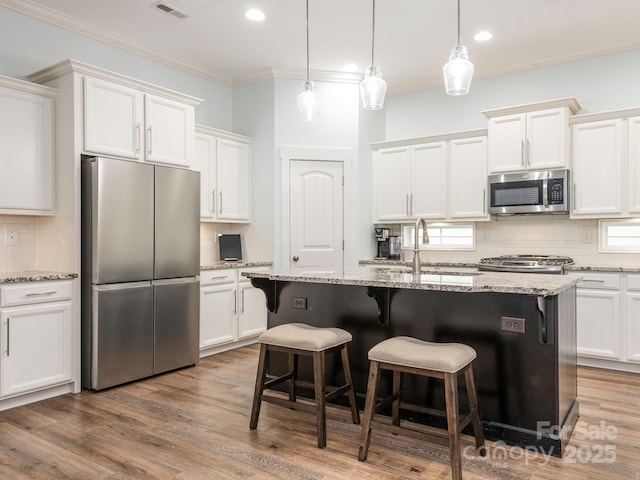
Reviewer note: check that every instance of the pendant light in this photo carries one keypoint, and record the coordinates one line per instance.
(308, 99)
(459, 70)
(372, 86)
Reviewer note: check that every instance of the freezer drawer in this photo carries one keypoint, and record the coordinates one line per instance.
(177, 324)
(121, 334)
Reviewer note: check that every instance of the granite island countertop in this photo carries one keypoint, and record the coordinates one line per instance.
(402, 277)
(35, 276)
(236, 264)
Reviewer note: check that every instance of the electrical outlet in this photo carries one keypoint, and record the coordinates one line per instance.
(512, 324)
(299, 302)
(586, 236)
(11, 238)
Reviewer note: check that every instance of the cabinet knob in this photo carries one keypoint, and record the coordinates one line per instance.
(295, 258)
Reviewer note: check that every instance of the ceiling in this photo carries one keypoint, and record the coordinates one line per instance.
(413, 38)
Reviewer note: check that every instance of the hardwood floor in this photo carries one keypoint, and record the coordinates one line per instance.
(194, 424)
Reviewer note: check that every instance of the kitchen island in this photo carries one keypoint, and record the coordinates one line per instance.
(522, 326)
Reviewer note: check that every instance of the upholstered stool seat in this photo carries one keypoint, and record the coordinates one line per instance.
(297, 339)
(439, 360)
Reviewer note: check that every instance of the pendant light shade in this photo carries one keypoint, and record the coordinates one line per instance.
(309, 102)
(459, 70)
(308, 99)
(372, 87)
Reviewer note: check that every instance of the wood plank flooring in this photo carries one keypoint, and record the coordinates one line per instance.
(194, 424)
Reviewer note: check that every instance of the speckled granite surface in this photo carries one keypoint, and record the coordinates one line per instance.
(571, 268)
(34, 276)
(241, 264)
(401, 277)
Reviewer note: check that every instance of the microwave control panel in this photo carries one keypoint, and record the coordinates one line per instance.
(555, 191)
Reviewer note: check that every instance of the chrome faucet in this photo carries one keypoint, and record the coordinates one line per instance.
(416, 244)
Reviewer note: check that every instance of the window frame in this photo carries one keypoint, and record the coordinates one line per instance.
(603, 237)
(407, 241)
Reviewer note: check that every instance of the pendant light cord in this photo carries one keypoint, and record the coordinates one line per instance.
(458, 22)
(373, 30)
(308, 68)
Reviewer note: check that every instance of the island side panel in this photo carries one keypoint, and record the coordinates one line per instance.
(517, 375)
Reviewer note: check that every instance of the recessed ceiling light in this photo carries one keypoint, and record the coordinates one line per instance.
(350, 67)
(483, 36)
(255, 15)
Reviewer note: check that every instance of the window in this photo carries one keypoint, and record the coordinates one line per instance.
(442, 236)
(620, 235)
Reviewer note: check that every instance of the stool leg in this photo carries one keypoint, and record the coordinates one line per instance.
(261, 375)
(395, 406)
(453, 424)
(369, 409)
(472, 394)
(355, 415)
(319, 387)
(293, 369)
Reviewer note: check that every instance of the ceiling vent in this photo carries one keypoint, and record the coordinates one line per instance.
(166, 8)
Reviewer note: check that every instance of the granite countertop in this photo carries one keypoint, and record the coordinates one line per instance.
(239, 264)
(401, 277)
(34, 276)
(570, 268)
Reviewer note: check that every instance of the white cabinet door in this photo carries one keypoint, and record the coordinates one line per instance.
(112, 119)
(599, 322)
(633, 326)
(633, 163)
(597, 168)
(252, 318)
(428, 196)
(169, 130)
(532, 140)
(232, 179)
(36, 347)
(507, 135)
(392, 183)
(217, 314)
(204, 161)
(546, 142)
(468, 178)
(26, 149)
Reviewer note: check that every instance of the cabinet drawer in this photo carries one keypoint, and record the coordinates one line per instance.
(250, 269)
(633, 282)
(212, 277)
(36, 292)
(600, 280)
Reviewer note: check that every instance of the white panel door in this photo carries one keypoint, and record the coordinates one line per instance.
(204, 161)
(428, 198)
(633, 163)
(546, 139)
(506, 143)
(232, 174)
(598, 323)
(317, 219)
(169, 130)
(468, 178)
(218, 313)
(392, 184)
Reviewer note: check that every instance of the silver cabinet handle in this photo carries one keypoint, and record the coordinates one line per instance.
(242, 301)
(217, 277)
(137, 137)
(411, 204)
(527, 153)
(149, 140)
(8, 335)
(588, 280)
(213, 200)
(42, 294)
(220, 203)
(407, 206)
(522, 154)
(235, 299)
(574, 197)
(484, 200)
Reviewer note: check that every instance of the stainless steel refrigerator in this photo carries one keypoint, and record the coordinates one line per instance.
(140, 267)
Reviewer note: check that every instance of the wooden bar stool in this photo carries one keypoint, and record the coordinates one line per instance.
(439, 360)
(300, 339)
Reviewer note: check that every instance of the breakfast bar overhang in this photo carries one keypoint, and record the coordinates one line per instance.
(522, 326)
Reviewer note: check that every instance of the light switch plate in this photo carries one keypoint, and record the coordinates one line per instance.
(11, 238)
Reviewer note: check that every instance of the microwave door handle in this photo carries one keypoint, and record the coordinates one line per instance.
(545, 200)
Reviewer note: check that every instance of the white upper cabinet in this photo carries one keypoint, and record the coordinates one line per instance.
(529, 137)
(468, 179)
(224, 162)
(443, 179)
(126, 121)
(27, 119)
(606, 164)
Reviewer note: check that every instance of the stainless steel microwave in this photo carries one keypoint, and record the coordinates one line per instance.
(544, 191)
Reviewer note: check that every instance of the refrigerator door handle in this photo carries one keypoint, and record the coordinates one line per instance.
(169, 281)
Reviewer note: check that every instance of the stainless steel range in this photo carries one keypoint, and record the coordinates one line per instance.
(525, 264)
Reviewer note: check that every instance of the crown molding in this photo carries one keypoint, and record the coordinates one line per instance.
(31, 9)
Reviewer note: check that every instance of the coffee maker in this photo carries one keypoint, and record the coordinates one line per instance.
(389, 246)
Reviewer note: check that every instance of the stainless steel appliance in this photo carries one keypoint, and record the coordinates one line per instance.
(140, 266)
(382, 239)
(525, 264)
(544, 191)
(395, 247)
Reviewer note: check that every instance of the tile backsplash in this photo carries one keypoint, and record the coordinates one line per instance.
(21, 256)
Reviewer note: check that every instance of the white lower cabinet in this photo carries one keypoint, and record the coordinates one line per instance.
(608, 321)
(232, 311)
(35, 337)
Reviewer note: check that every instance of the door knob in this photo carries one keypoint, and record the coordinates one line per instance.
(295, 258)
